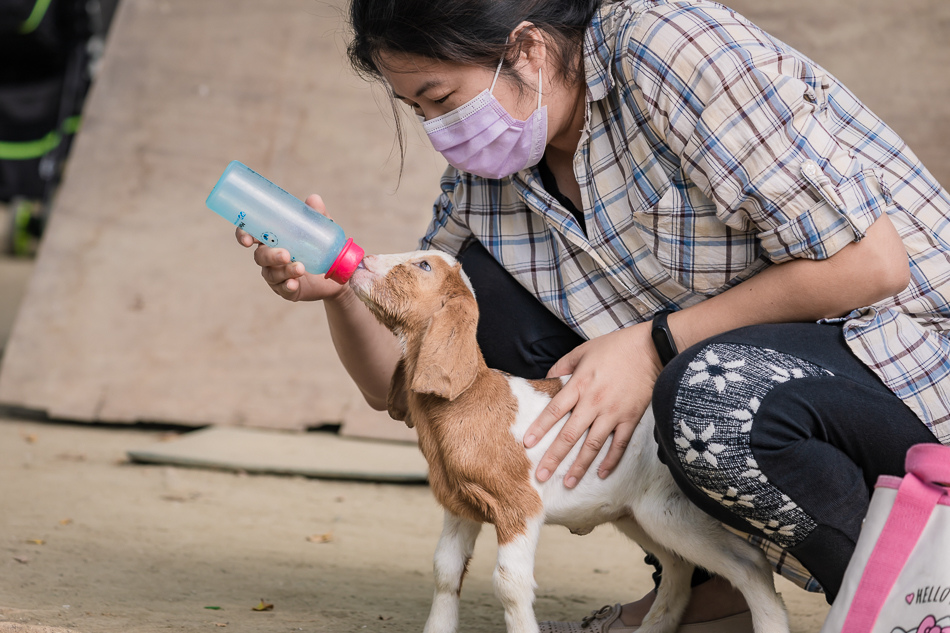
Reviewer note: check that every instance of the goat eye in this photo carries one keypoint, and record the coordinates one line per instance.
(424, 265)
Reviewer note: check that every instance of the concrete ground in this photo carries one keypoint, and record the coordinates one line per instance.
(94, 544)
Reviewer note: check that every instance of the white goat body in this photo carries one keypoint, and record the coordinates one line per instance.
(471, 422)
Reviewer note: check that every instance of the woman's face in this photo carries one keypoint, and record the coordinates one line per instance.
(432, 88)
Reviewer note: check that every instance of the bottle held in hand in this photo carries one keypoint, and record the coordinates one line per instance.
(278, 219)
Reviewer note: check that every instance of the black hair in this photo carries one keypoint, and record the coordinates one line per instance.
(472, 32)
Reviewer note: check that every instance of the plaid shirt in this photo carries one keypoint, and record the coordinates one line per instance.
(711, 151)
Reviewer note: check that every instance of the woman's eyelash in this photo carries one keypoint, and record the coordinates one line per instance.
(415, 107)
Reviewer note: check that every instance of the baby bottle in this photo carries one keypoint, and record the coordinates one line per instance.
(278, 219)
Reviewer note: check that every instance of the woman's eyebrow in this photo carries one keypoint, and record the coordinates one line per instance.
(427, 85)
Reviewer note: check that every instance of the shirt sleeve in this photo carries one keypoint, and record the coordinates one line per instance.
(446, 232)
(743, 116)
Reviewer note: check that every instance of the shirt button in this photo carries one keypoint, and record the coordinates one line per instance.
(810, 169)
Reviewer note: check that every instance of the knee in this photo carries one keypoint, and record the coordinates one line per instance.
(665, 394)
(703, 413)
(706, 404)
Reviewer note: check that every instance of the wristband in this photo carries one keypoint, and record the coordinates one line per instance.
(663, 338)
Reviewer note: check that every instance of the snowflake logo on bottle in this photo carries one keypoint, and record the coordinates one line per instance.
(269, 238)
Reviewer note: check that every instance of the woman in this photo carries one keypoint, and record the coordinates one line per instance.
(675, 187)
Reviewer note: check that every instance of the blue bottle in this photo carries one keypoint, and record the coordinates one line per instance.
(278, 219)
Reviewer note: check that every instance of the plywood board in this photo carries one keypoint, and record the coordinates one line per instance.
(142, 308)
(262, 451)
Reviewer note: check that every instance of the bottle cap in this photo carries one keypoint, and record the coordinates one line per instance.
(346, 262)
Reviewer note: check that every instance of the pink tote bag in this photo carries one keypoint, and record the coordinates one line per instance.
(898, 580)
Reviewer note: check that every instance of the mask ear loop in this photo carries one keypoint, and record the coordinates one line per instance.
(539, 88)
(497, 71)
(501, 61)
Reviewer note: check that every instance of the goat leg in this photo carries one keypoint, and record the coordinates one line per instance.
(450, 564)
(514, 577)
(746, 567)
(672, 595)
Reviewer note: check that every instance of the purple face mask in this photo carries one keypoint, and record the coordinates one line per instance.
(481, 138)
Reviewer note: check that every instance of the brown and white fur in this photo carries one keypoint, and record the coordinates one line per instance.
(471, 421)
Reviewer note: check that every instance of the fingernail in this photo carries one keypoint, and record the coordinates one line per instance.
(530, 440)
(543, 474)
(603, 473)
(570, 482)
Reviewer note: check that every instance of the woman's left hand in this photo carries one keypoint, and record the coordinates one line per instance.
(610, 388)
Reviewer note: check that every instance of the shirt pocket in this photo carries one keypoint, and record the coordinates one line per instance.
(691, 244)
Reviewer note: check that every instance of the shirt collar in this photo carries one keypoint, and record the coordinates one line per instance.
(598, 53)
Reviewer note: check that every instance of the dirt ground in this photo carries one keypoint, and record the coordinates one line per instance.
(94, 544)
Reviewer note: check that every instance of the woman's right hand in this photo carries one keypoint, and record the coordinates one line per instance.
(289, 279)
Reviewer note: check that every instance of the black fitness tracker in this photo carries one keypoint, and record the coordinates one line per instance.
(663, 338)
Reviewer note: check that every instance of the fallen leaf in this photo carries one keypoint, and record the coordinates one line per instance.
(384, 619)
(182, 498)
(30, 438)
(36, 541)
(23, 560)
(66, 522)
(71, 457)
(221, 624)
(214, 608)
(320, 538)
(263, 606)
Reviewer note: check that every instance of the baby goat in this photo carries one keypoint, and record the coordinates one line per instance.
(471, 422)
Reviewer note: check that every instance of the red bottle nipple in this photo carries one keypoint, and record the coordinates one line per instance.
(346, 262)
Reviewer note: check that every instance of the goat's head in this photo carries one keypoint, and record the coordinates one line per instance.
(427, 301)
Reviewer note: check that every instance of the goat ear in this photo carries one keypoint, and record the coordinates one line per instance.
(397, 401)
(448, 360)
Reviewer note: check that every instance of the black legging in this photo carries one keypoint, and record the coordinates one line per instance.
(516, 333)
(781, 431)
(776, 430)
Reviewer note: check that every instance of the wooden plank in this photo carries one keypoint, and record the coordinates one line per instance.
(142, 307)
(362, 422)
(264, 451)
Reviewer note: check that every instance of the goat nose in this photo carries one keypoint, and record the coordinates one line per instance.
(369, 263)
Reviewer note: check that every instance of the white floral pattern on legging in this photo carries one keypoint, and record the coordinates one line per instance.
(716, 403)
